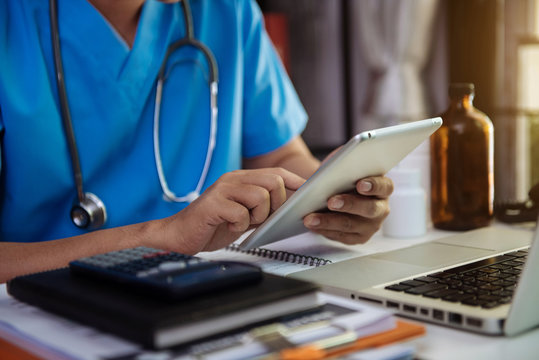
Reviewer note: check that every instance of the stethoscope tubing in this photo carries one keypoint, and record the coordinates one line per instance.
(188, 40)
(89, 202)
(64, 103)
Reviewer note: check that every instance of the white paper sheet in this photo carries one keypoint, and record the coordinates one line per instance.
(54, 337)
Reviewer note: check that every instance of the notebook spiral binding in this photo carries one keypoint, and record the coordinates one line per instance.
(282, 256)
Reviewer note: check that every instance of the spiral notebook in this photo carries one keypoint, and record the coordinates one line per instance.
(281, 255)
(293, 254)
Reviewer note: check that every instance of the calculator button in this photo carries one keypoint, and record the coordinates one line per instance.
(172, 265)
(149, 272)
(195, 261)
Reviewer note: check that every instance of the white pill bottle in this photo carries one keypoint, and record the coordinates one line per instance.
(408, 205)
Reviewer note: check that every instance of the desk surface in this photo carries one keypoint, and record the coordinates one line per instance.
(442, 343)
(446, 343)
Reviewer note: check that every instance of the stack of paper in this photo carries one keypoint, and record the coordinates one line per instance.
(160, 322)
(342, 329)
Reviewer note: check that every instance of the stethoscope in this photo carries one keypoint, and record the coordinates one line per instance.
(88, 211)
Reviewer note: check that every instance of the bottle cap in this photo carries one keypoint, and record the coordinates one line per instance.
(461, 89)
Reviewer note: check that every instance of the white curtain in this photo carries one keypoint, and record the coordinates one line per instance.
(395, 38)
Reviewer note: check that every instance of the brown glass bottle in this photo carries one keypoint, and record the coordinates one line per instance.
(462, 174)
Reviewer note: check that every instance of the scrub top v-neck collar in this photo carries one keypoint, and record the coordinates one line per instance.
(131, 70)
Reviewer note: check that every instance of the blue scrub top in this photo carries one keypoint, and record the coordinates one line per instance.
(111, 91)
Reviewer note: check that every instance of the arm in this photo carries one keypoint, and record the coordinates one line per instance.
(354, 217)
(294, 156)
(23, 258)
(235, 202)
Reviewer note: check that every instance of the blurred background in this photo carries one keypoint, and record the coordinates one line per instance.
(362, 64)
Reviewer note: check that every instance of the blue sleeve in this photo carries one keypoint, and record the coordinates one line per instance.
(4, 23)
(273, 113)
(1, 138)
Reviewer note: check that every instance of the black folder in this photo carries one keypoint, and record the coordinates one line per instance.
(157, 323)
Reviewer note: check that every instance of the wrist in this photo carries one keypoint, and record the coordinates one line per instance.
(160, 234)
(143, 234)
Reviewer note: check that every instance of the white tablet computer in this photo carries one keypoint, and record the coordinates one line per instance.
(369, 153)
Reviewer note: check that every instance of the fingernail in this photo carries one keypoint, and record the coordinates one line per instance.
(336, 203)
(365, 186)
(312, 221)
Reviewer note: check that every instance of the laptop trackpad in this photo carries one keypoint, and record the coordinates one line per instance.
(433, 255)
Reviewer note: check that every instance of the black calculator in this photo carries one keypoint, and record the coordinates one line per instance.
(165, 274)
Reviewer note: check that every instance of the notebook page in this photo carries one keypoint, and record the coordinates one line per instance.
(313, 245)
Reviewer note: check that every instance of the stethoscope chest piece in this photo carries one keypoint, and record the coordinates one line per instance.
(90, 213)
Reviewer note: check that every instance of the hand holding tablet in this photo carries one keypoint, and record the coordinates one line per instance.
(370, 153)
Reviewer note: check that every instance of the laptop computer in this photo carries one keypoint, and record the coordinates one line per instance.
(482, 280)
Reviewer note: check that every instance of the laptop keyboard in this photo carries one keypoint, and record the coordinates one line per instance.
(486, 283)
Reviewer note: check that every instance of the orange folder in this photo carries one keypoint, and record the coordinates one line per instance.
(9, 351)
(403, 330)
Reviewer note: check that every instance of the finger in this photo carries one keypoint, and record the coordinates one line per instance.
(272, 183)
(335, 222)
(291, 181)
(275, 180)
(255, 198)
(367, 207)
(235, 214)
(379, 186)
